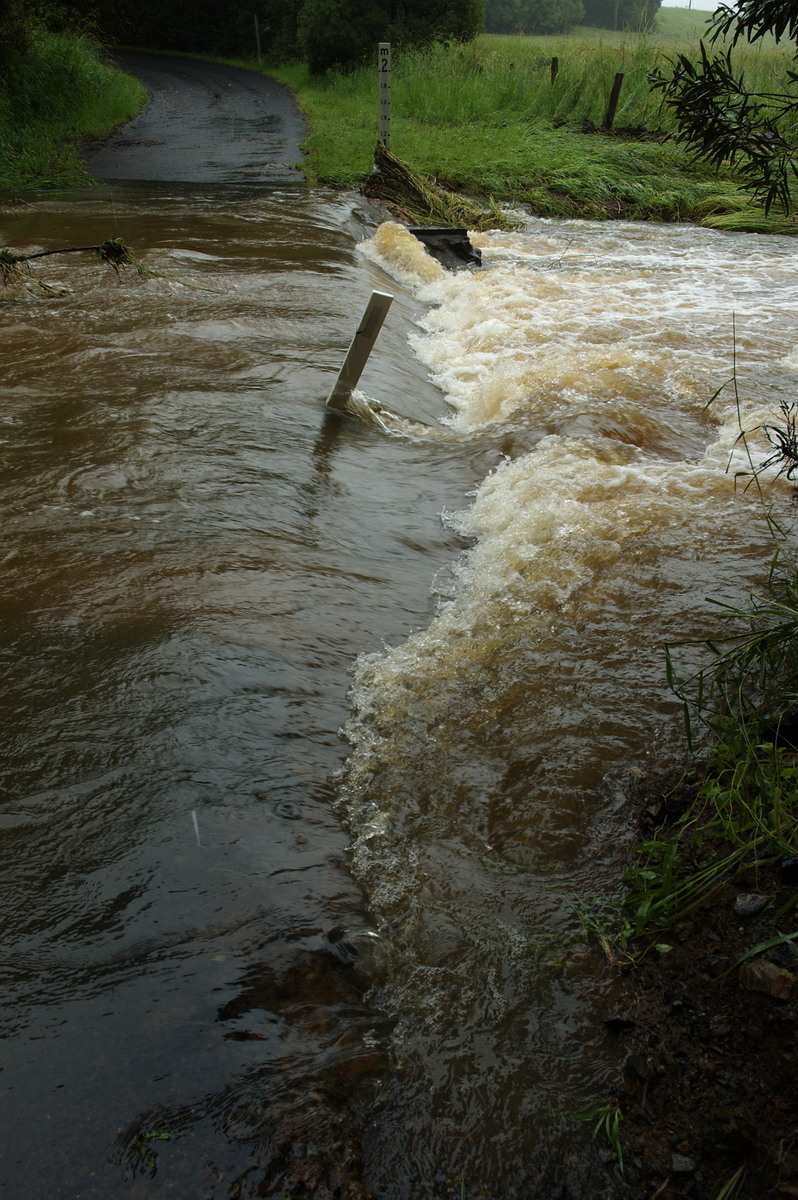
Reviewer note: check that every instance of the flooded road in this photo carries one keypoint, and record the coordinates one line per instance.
(244, 951)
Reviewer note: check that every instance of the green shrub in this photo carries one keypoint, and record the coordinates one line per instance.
(53, 92)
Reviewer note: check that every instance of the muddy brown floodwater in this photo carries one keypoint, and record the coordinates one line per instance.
(247, 954)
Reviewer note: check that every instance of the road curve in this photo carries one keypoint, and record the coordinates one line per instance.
(203, 123)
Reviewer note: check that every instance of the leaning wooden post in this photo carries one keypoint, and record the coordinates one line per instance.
(257, 37)
(384, 70)
(613, 104)
(359, 350)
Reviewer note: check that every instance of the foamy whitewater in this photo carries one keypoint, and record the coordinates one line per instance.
(484, 791)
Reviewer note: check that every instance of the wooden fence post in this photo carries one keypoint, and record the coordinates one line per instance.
(613, 104)
(361, 346)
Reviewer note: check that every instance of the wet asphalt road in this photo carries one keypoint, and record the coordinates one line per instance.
(203, 123)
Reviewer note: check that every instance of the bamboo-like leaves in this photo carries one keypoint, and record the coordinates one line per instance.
(721, 121)
(753, 19)
(607, 1118)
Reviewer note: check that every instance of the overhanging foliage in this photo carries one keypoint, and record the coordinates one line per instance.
(721, 121)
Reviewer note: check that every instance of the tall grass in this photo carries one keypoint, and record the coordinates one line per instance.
(480, 83)
(55, 92)
(497, 78)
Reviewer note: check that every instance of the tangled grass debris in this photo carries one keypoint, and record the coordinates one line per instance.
(15, 267)
(418, 200)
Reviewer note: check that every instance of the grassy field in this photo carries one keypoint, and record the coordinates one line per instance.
(60, 91)
(486, 119)
(688, 25)
(681, 24)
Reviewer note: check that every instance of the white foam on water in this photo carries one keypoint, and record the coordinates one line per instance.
(607, 344)
(402, 255)
(480, 744)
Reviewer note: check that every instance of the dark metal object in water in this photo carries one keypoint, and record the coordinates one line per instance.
(449, 244)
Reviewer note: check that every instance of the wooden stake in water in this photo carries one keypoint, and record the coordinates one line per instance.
(359, 350)
(384, 71)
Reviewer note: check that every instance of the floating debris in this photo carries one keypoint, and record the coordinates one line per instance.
(15, 267)
(416, 199)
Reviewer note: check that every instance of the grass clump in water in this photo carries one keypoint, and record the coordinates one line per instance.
(417, 200)
(737, 812)
(54, 90)
(15, 267)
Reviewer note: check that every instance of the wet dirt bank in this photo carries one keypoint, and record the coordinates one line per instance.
(707, 1091)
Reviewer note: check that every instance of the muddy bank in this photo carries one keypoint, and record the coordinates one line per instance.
(708, 1091)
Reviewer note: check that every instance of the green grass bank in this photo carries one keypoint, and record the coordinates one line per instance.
(56, 92)
(489, 119)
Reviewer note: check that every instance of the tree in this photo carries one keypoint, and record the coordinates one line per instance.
(206, 26)
(419, 21)
(637, 15)
(327, 33)
(336, 34)
(721, 120)
(339, 34)
(532, 16)
(13, 29)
